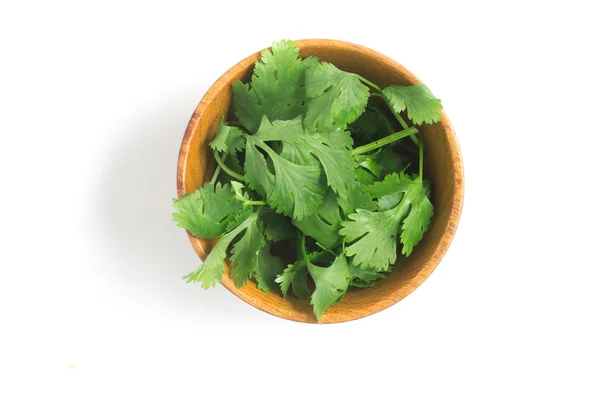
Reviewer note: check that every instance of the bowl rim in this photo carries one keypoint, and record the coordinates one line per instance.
(433, 259)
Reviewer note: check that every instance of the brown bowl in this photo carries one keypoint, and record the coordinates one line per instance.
(442, 162)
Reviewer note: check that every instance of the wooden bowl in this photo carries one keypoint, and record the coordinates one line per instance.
(442, 162)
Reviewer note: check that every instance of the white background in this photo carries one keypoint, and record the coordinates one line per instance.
(95, 97)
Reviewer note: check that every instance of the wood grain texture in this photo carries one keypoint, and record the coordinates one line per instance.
(443, 165)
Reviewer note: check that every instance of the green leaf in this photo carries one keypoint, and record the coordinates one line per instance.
(374, 237)
(389, 201)
(331, 149)
(421, 105)
(337, 98)
(267, 269)
(292, 189)
(246, 106)
(374, 234)
(363, 277)
(356, 199)
(414, 207)
(370, 165)
(238, 191)
(278, 79)
(311, 62)
(389, 161)
(323, 226)
(296, 276)
(211, 270)
(229, 139)
(277, 87)
(233, 163)
(416, 222)
(364, 177)
(206, 212)
(371, 125)
(331, 284)
(390, 191)
(277, 226)
(244, 253)
(392, 184)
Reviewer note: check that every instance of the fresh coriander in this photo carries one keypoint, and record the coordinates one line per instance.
(289, 172)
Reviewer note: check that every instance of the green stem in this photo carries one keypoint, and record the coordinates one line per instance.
(398, 117)
(421, 160)
(226, 168)
(238, 125)
(383, 141)
(302, 247)
(217, 170)
(326, 249)
(368, 82)
(255, 203)
(215, 175)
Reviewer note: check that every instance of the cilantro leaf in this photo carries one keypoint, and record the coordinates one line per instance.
(277, 226)
(374, 233)
(296, 276)
(331, 284)
(416, 222)
(292, 189)
(422, 106)
(323, 226)
(277, 80)
(229, 139)
(211, 270)
(356, 199)
(244, 253)
(382, 162)
(363, 277)
(246, 106)
(374, 237)
(370, 165)
(277, 87)
(414, 205)
(267, 269)
(364, 176)
(389, 201)
(310, 62)
(372, 124)
(389, 161)
(297, 173)
(206, 212)
(331, 149)
(337, 97)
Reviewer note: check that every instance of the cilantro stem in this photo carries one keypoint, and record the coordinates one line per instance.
(368, 82)
(383, 141)
(326, 249)
(215, 175)
(217, 170)
(302, 247)
(238, 125)
(421, 160)
(398, 117)
(255, 203)
(225, 168)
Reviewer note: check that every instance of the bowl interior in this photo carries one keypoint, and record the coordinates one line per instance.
(443, 166)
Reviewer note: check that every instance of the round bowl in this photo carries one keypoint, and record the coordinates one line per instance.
(442, 162)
